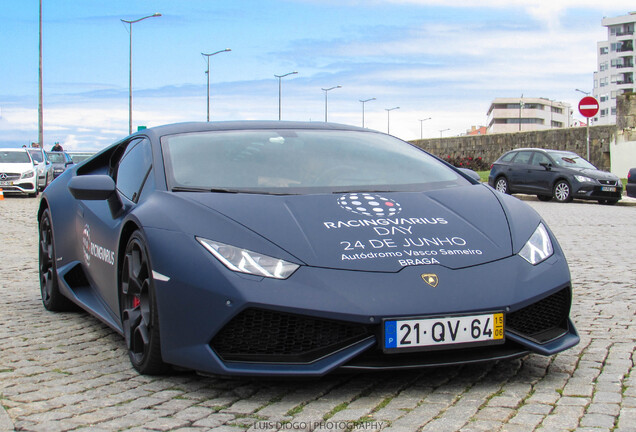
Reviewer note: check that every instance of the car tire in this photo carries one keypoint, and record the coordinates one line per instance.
(501, 185)
(52, 298)
(544, 198)
(138, 305)
(562, 191)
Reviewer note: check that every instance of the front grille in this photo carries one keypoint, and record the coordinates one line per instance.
(544, 320)
(608, 182)
(276, 337)
(9, 176)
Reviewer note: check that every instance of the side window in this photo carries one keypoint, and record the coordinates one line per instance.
(507, 157)
(539, 158)
(523, 157)
(133, 169)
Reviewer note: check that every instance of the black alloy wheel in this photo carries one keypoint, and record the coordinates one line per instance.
(52, 298)
(140, 321)
(501, 185)
(562, 191)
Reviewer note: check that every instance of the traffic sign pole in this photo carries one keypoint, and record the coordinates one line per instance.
(588, 139)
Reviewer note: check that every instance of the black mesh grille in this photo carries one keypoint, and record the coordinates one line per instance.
(269, 336)
(543, 320)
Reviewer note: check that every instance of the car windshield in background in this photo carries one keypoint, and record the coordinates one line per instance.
(570, 160)
(300, 161)
(79, 157)
(14, 157)
(56, 158)
(37, 156)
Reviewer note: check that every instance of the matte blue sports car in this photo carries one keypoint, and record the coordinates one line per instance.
(284, 248)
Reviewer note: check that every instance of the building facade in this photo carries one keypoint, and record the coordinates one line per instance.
(615, 66)
(527, 114)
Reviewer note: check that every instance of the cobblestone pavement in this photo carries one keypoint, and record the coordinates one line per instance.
(67, 371)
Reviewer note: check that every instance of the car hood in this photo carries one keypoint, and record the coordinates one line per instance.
(385, 231)
(17, 168)
(595, 174)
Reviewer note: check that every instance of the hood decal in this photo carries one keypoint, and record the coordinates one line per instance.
(455, 228)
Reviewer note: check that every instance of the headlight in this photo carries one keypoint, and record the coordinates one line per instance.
(583, 179)
(539, 247)
(27, 174)
(245, 261)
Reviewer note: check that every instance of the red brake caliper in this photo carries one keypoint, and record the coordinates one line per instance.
(136, 302)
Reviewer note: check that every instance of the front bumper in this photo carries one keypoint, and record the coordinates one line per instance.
(596, 192)
(24, 186)
(218, 322)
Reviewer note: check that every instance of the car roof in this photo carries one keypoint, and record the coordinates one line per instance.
(177, 128)
(13, 149)
(540, 149)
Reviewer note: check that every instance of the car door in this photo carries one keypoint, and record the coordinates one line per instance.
(540, 174)
(101, 229)
(519, 172)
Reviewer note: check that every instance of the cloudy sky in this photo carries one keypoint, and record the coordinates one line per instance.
(441, 59)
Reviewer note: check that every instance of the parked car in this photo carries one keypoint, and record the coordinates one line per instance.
(80, 156)
(43, 165)
(60, 160)
(288, 248)
(557, 174)
(630, 188)
(17, 172)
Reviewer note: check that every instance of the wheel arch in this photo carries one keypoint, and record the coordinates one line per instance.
(127, 231)
(558, 179)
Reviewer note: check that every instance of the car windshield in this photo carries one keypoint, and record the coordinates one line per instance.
(14, 157)
(56, 157)
(36, 155)
(77, 158)
(300, 161)
(570, 160)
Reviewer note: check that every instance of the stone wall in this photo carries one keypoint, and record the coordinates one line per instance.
(490, 147)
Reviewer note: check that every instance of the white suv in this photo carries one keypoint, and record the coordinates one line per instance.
(17, 172)
(43, 165)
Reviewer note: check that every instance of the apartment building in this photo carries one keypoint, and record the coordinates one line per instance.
(615, 66)
(527, 114)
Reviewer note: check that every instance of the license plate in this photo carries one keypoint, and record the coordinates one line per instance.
(608, 189)
(6, 183)
(429, 333)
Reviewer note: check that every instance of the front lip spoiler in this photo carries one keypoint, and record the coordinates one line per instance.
(568, 340)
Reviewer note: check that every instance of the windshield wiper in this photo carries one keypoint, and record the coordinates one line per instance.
(224, 190)
(188, 189)
(342, 191)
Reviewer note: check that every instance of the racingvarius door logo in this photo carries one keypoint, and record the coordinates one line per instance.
(369, 204)
(86, 243)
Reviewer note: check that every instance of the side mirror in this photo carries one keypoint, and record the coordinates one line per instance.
(470, 173)
(546, 165)
(69, 163)
(96, 188)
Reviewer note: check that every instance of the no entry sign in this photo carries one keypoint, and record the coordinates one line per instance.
(588, 106)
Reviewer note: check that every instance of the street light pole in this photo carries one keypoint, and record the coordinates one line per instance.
(388, 118)
(130, 23)
(422, 121)
(442, 131)
(40, 110)
(207, 72)
(363, 102)
(279, 91)
(520, 108)
(327, 90)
